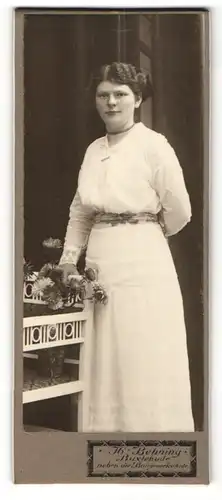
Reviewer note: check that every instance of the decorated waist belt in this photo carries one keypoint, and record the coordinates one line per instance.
(125, 217)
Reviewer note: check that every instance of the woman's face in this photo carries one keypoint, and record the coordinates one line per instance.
(116, 105)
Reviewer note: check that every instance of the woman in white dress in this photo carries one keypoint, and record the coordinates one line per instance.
(137, 362)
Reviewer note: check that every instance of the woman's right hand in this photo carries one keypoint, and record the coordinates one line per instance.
(68, 270)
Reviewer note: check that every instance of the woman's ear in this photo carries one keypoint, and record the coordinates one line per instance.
(138, 100)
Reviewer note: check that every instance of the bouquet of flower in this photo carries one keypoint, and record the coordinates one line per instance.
(59, 295)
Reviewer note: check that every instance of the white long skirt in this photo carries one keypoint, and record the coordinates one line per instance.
(137, 362)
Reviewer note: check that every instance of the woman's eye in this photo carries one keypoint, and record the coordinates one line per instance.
(102, 96)
(120, 94)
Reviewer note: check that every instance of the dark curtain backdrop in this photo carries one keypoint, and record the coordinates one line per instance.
(60, 53)
(60, 121)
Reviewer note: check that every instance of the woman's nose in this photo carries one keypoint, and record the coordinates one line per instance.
(111, 100)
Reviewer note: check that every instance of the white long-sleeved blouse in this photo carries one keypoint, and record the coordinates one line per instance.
(139, 174)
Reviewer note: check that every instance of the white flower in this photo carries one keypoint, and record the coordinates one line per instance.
(40, 285)
(52, 243)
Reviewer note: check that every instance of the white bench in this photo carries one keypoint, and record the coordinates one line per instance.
(41, 332)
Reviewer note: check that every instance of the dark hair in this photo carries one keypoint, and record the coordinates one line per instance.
(124, 74)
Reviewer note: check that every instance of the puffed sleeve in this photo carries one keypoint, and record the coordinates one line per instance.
(78, 230)
(169, 184)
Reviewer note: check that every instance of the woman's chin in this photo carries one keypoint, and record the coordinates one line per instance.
(109, 119)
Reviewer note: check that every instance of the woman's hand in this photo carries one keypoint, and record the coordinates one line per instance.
(68, 270)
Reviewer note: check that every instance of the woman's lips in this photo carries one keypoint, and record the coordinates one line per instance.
(112, 112)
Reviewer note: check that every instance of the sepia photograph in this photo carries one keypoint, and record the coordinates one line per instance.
(114, 221)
